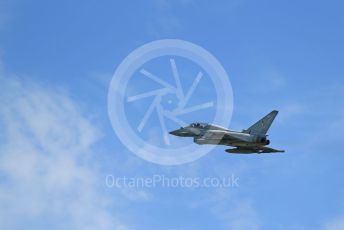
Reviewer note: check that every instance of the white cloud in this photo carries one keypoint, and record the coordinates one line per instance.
(335, 224)
(4, 8)
(230, 208)
(236, 213)
(165, 20)
(291, 110)
(46, 163)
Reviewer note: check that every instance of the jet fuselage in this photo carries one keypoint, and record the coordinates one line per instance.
(251, 140)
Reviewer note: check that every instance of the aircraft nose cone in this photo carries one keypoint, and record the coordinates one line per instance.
(175, 132)
(183, 132)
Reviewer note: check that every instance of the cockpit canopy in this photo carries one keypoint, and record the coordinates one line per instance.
(198, 125)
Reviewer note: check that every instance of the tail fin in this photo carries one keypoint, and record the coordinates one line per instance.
(262, 126)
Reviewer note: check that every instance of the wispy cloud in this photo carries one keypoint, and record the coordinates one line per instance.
(235, 212)
(165, 20)
(335, 224)
(46, 161)
(4, 16)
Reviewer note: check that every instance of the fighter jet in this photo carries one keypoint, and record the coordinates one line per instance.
(251, 140)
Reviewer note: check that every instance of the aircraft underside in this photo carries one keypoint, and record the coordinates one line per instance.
(242, 147)
(236, 143)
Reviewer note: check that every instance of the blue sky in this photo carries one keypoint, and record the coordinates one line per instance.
(57, 145)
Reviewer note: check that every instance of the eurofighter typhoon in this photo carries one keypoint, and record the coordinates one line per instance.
(251, 140)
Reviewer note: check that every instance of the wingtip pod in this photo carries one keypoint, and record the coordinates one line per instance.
(254, 150)
(274, 151)
(240, 151)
